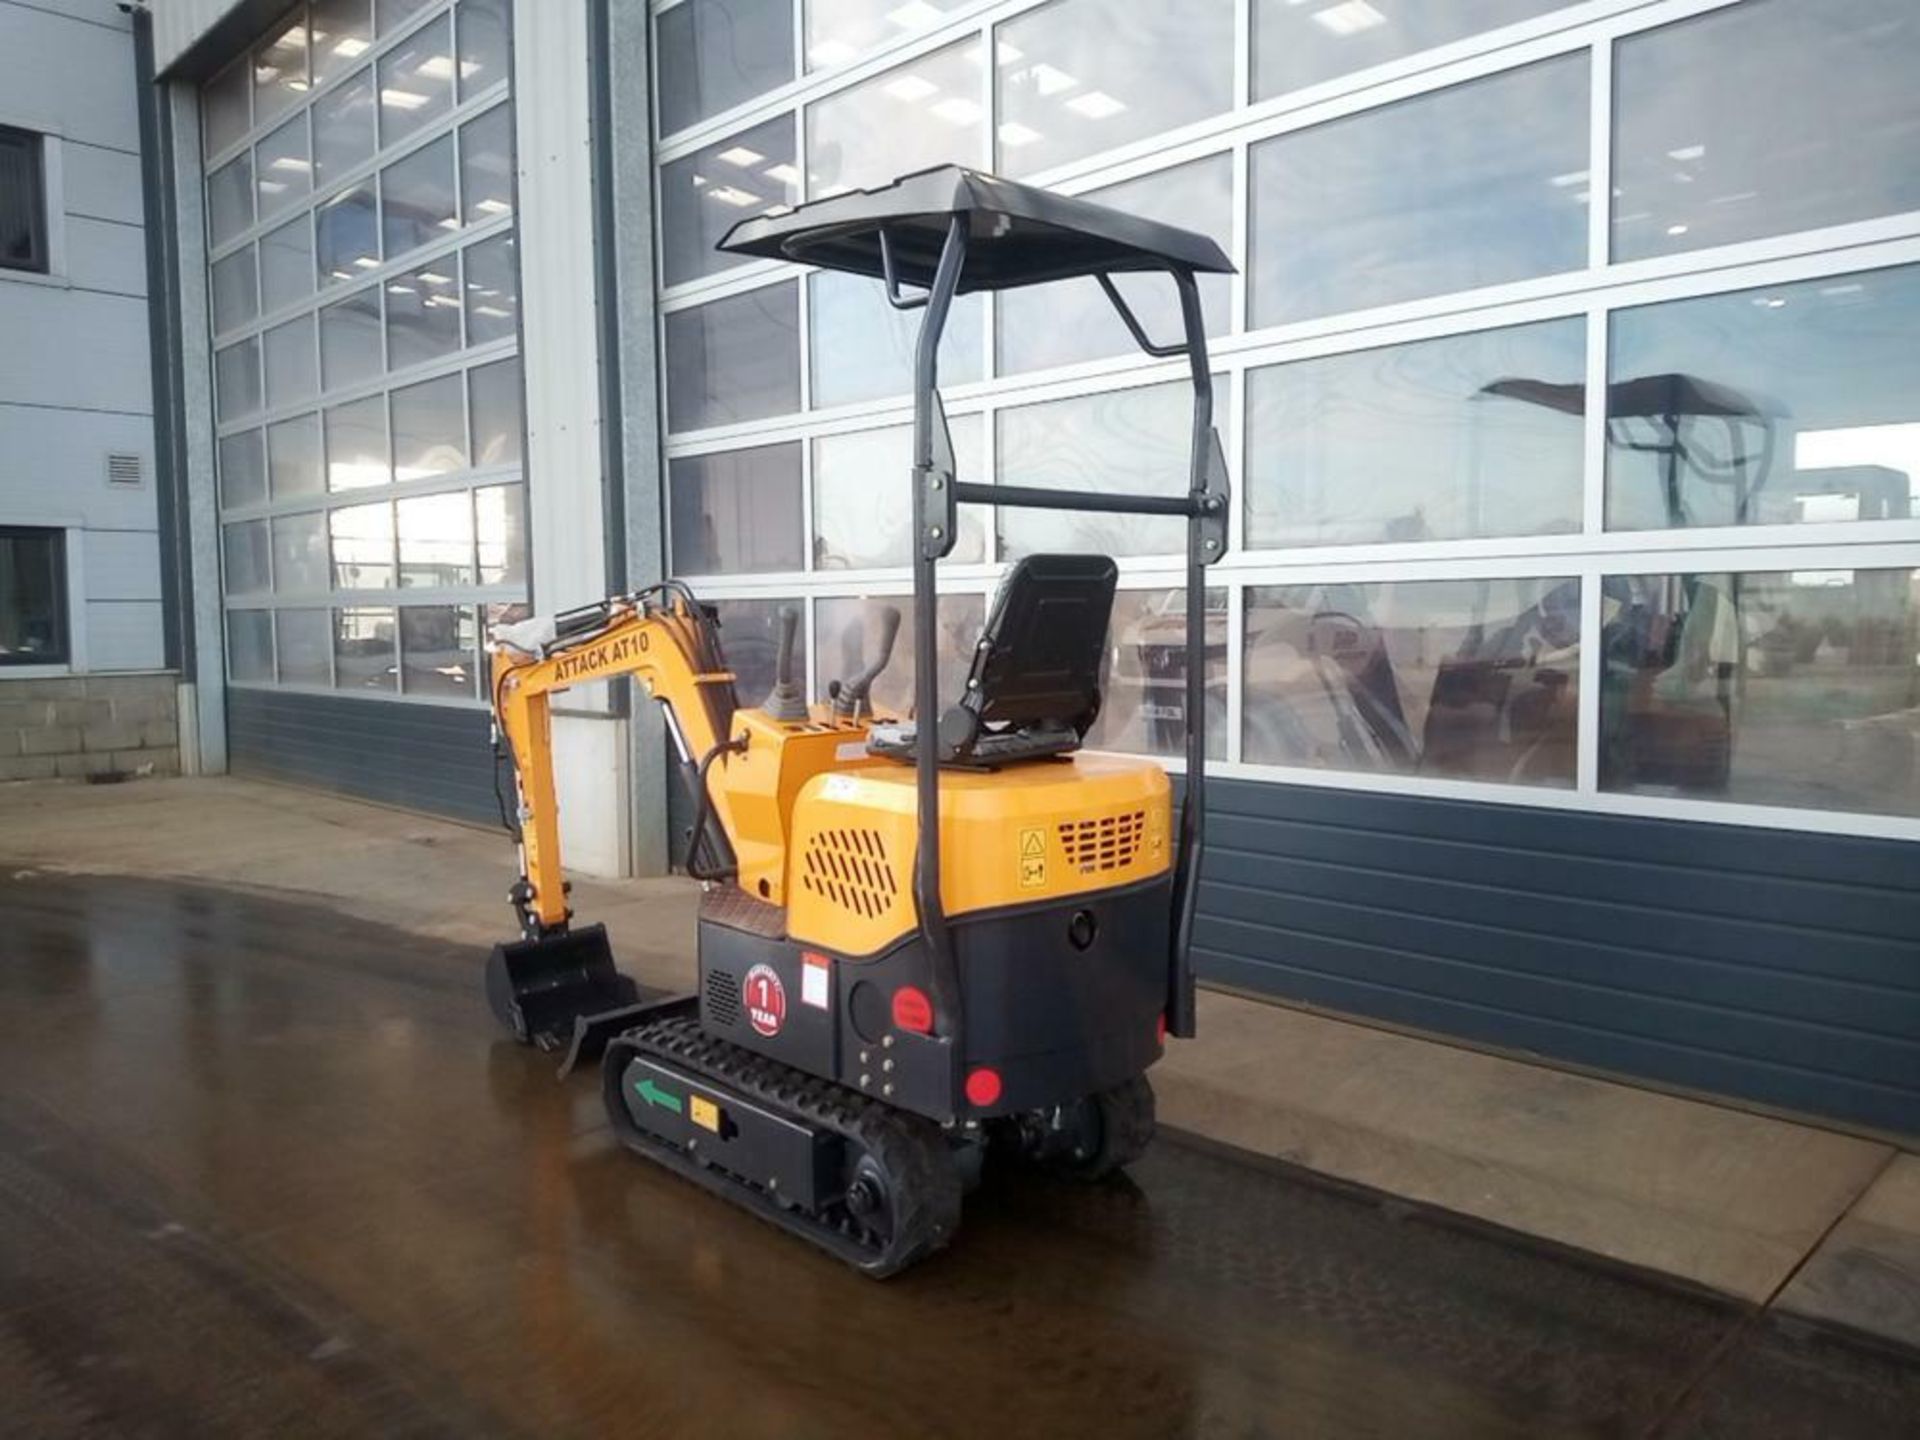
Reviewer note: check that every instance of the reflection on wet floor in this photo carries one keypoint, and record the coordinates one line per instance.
(265, 1170)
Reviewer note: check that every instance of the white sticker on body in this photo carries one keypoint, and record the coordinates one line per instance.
(813, 982)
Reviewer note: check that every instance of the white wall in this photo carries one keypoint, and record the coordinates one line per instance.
(74, 373)
(179, 23)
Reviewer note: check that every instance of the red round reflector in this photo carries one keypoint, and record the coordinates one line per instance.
(983, 1086)
(912, 1010)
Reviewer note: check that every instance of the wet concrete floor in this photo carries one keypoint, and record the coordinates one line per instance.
(268, 1171)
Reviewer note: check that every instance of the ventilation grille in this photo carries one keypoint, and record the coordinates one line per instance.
(850, 868)
(125, 470)
(1110, 843)
(723, 998)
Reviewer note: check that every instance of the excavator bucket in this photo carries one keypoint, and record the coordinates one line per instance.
(539, 989)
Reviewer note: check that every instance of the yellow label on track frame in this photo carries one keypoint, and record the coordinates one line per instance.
(704, 1113)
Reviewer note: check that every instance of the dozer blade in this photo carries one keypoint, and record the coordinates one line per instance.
(539, 989)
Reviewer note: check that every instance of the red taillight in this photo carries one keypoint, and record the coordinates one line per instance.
(912, 1010)
(1160, 1028)
(983, 1086)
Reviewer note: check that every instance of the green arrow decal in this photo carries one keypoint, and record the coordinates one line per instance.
(654, 1095)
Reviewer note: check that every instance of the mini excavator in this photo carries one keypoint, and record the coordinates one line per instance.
(921, 937)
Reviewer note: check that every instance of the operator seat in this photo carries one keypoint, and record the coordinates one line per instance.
(1034, 687)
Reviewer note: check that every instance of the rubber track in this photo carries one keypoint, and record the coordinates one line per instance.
(925, 1184)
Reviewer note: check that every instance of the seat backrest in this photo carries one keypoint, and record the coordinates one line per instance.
(1039, 658)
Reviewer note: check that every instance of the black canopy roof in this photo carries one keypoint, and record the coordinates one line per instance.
(1017, 234)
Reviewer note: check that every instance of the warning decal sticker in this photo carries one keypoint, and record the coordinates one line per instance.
(1033, 859)
(815, 973)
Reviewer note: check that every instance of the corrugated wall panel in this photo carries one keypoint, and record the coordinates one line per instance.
(1776, 965)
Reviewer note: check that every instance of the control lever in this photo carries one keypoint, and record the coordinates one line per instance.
(784, 702)
(852, 698)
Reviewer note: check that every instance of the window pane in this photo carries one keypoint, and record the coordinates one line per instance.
(250, 645)
(500, 526)
(303, 646)
(1771, 688)
(1478, 185)
(1788, 404)
(291, 364)
(416, 198)
(243, 469)
(1130, 442)
(486, 165)
(1465, 679)
(423, 314)
(483, 27)
(33, 597)
(716, 54)
(493, 303)
(750, 640)
(495, 405)
(395, 13)
(1072, 320)
(437, 647)
(350, 344)
(863, 498)
(299, 553)
(734, 359)
(230, 199)
(245, 548)
(23, 197)
(286, 264)
(838, 30)
(293, 457)
(1144, 706)
(436, 540)
(347, 236)
(236, 299)
(357, 444)
(362, 546)
(1437, 440)
(342, 32)
(1081, 76)
(863, 348)
(1295, 47)
(847, 630)
(736, 512)
(280, 69)
(926, 112)
(363, 649)
(1764, 118)
(224, 116)
(283, 173)
(343, 128)
(237, 379)
(429, 429)
(416, 81)
(704, 195)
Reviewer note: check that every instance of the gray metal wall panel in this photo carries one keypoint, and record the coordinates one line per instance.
(422, 757)
(1778, 966)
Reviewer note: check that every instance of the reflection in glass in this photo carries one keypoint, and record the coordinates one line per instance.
(235, 298)
(230, 199)
(838, 30)
(236, 379)
(416, 81)
(423, 313)
(1784, 405)
(280, 69)
(1761, 119)
(704, 195)
(350, 344)
(362, 546)
(224, 115)
(343, 128)
(863, 497)
(341, 34)
(1434, 440)
(719, 53)
(1081, 76)
(1294, 47)
(243, 469)
(495, 405)
(1482, 184)
(847, 631)
(925, 112)
(436, 540)
(290, 362)
(417, 198)
(863, 348)
(493, 300)
(1774, 688)
(737, 511)
(734, 359)
(429, 429)
(437, 645)
(357, 444)
(483, 27)
(500, 527)
(303, 646)
(750, 641)
(293, 457)
(486, 166)
(363, 648)
(282, 171)
(1072, 320)
(299, 553)
(347, 236)
(286, 264)
(1465, 679)
(392, 14)
(1143, 709)
(250, 646)
(245, 548)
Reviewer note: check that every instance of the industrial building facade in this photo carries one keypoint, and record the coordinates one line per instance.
(1564, 667)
